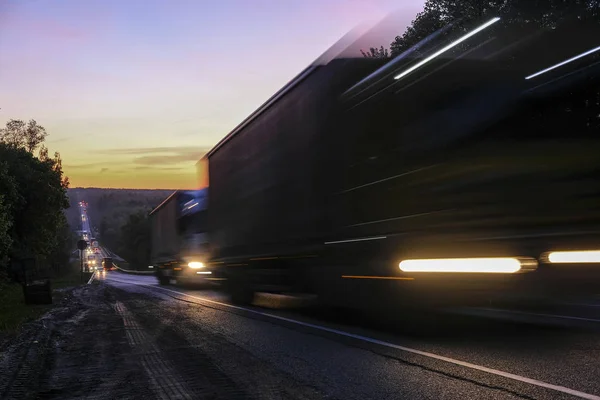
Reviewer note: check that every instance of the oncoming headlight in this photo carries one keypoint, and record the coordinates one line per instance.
(195, 265)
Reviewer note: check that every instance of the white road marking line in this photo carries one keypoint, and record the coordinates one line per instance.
(465, 364)
(539, 314)
(92, 277)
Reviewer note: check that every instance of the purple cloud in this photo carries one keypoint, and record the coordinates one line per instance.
(170, 159)
(155, 150)
(44, 27)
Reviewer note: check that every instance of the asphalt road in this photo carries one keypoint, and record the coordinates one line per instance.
(85, 221)
(192, 343)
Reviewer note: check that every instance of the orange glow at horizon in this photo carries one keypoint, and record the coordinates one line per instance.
(149, 179)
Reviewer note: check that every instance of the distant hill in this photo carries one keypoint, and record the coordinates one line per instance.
(109, 209)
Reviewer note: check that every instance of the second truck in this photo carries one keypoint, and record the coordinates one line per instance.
(179, 240)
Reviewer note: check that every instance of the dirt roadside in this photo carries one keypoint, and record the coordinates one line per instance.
(104, 342)
(77, 350)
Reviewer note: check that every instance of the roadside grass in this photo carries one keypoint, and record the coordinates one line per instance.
(13, 310)
(73, 278)
(122, 264)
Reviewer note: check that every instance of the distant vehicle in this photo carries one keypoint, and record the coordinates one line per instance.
(107, 263)
(179, 242)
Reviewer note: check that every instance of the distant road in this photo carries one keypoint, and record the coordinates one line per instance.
(86, 227)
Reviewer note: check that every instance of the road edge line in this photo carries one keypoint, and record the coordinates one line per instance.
(556, 316)
(132, 272)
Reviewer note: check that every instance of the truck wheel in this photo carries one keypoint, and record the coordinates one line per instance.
(242, 296)
(163, 280)
(240, 292)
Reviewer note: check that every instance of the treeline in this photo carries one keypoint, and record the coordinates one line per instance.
(119, 219)
(109, 209)
(448, 17)
(33, 196)
(135, 240)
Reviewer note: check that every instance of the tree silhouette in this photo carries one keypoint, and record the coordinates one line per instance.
(19, 134)
(8, 193)
(136, 240)
(438, 14)
(32, 197)
(376, 53)
(38, 204)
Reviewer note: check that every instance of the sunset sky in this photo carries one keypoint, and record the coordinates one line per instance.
(133, 93)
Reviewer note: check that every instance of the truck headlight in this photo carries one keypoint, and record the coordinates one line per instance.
(195, 265)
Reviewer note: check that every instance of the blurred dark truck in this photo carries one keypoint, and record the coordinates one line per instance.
(179, 241)
(461, 178)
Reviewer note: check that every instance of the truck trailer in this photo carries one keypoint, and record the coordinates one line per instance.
(452, 179)
(179, 240)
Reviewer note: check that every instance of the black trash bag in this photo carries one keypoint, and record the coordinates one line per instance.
(38, 292)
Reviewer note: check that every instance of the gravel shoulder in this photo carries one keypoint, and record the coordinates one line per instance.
(77, 350)
(100, 342)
